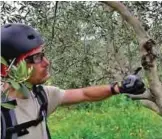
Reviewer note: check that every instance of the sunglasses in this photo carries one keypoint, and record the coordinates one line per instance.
(35, 59)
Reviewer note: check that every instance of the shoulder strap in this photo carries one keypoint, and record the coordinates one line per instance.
(21, 129)
(43, 102)
(42, 98)
(11, 130)
(3, 126)
(8, 119)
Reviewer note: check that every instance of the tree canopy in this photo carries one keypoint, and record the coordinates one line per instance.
(87, 42)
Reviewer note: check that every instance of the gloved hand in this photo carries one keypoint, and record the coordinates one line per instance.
(132, 84)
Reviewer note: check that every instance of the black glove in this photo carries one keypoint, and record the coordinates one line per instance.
(132, 84)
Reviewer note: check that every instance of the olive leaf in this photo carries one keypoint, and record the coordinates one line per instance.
(28, 85)
(14, 84)
(18, 76)
(21, 72)
(8, 106)
(24, 90)
(30, 70)
(3, 61)
(22, 69)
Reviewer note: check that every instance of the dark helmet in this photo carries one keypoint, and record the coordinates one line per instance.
(17, 39)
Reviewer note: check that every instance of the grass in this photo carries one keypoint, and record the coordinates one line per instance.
(114, 118)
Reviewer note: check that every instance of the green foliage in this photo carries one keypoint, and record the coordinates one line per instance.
(86, 44)
(115, 118)
(8, 106)
(19, 73)
(3, 61)
(17, 78)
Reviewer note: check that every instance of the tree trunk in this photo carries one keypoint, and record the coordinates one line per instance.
(148, 59)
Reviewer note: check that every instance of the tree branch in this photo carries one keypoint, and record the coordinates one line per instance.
(133, 21)
(151, 105)
(146, 45)
(146, 95)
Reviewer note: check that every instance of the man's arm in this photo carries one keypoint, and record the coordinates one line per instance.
(93, 93)
(132, 84)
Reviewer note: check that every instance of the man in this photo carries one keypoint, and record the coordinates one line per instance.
(22, 42)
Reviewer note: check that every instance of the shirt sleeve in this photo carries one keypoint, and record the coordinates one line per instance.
(54, 96)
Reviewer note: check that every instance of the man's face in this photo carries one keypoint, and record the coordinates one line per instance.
(40, 72)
